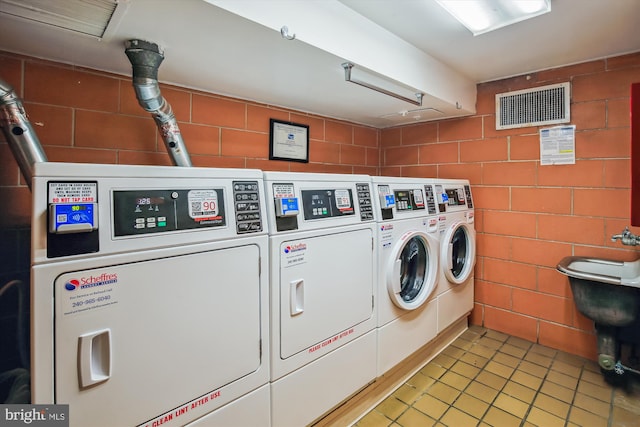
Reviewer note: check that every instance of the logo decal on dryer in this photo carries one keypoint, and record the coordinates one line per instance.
(295, 248)
(72, 285)
(385, 227)
(91, 281)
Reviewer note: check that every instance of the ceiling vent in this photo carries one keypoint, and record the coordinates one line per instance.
(82, 16)
(543, 105)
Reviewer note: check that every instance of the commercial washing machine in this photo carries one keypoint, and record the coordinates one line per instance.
(323, 255)
(408, 251)
(457, 251)
(150, 295)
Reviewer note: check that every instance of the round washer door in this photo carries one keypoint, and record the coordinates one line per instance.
(412, 270)
(458, 254)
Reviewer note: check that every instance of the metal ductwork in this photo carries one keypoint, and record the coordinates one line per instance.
(145, 59)
(17, 130)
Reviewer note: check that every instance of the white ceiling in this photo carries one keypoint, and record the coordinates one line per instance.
(212, 48)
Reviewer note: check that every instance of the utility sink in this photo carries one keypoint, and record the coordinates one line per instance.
(606, 291)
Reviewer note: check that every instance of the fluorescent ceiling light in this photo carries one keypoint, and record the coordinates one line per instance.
(481, 16)
(380, 84)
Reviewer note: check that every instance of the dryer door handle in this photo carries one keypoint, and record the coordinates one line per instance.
(94, 357)
(296, 296)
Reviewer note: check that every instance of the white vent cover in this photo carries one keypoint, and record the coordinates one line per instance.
(542, 105)
(83, 16)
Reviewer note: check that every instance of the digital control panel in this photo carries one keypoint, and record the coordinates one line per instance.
(452, 197)
(409, 200)
(327, 203)
(455, 196)
(154, 211)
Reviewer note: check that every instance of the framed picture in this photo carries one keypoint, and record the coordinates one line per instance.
(288, 141)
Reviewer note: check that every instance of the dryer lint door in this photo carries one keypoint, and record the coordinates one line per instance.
(146, 337)
(412, 270)
(458, 254)
(326, 288)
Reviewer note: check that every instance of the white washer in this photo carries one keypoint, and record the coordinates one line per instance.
(150, 295)
(408, 251)
(321, 233)
(458, 250)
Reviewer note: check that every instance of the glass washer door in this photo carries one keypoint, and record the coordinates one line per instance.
(458, 252)
(412, 270)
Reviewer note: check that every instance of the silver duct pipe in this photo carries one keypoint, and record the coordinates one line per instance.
(17, 130)
(145, 59)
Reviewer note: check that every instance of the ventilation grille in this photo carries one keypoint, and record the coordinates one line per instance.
(83, 16)
(543, 105)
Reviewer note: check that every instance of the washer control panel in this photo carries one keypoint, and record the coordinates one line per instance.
(409, 200)
(453, 198)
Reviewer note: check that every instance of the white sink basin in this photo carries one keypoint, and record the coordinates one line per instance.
(606, 291)
(602, 270)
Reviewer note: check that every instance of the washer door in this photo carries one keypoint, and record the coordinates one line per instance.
(458, 252)
(412, 270)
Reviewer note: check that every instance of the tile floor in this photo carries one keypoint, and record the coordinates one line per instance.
(486, 378)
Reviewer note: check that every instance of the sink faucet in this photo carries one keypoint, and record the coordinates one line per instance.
(627, 238)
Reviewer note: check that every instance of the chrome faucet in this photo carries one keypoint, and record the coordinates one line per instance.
(627, 238)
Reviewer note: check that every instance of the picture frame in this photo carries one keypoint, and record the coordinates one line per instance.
(288, 141)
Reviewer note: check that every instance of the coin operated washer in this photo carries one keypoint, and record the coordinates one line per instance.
(457, 251)
(323, 258)
(408, 251)
(137, 273)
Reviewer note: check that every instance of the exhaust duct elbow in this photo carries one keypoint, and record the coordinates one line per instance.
(19, 133)
(145, 58)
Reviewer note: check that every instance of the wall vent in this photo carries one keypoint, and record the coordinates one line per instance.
(83, 16)
(538, 106)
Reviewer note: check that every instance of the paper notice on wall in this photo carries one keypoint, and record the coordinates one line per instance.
(558, 145)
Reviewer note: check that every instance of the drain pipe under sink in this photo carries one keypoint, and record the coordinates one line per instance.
(19, 133)
(145, 58)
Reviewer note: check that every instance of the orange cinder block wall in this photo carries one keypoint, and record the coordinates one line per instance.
(528, 216)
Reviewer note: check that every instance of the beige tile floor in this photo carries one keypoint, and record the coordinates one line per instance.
(486, 378)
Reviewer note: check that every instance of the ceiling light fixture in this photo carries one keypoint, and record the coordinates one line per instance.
(481, 16)
(378, 85)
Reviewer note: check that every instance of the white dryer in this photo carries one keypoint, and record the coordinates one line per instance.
(150, 295)
(321, 234)
(457, 250)
(408, 251)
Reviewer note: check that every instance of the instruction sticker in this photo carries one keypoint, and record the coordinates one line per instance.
(283, 191)
(203, 204)
(558, 145)
(73, 192)
(343, 199)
